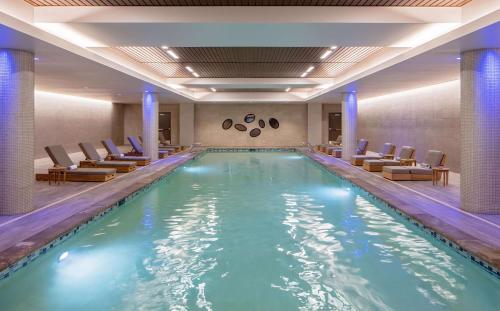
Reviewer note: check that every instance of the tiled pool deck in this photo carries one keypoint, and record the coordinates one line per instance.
(479, 235)
(63, 208)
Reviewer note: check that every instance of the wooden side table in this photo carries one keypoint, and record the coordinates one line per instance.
(57, 174)
(408, 162)
(436, 175)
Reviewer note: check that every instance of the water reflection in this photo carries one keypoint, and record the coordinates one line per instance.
(439, 277)
(321, 281)
(180, 260)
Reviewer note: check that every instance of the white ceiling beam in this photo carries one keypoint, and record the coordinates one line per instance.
(273, 15)
(249, 83)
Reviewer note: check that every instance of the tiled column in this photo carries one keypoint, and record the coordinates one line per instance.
(186, 124)
(150, 125)
(480, 131)
(16, 131)
(349, 124)
(314, 116)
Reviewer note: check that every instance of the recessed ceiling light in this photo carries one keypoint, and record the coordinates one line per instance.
(189, 69)
(310, 69)
(288, 89)
(172, 53)
(213, 90)
(36, 58)
(458, 58)
(164, 47)
(196, 75)
(326, 54)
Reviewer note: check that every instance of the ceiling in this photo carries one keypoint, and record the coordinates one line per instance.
(432, 67)
(59, 71)
(249, 62)
(245, 53)
(412, 3)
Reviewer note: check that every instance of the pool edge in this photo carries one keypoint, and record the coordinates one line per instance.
(442, 236)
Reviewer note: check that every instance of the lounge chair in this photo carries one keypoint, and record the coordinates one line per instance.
(360, 149)
(164, 143)
(115, 154)
(336, 143)
(387, 152)
(93, 159)
(406, 152)
(138, 151)
(60, 158)
(423, 171)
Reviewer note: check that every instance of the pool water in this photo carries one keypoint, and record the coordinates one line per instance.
(251, 231)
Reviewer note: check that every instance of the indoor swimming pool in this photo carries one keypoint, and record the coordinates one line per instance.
(251, 231)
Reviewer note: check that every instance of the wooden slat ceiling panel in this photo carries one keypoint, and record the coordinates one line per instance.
(262, 62)
(413, 3)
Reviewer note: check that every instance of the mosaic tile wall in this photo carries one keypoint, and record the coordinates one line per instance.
(16, 131)
(480, 131)
(150, 124)
(349, 124)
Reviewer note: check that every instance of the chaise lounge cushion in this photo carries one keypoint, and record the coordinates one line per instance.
(421, 171)
(90, 152)
(391, 162)
(406, 152)
(135, 158)
(367, 157)
(92, 171)
(398, 169)
(433, 158)
(115, 163)
(59, 156)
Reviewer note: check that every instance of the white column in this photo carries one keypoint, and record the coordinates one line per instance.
(17, 111)
(480, 131)
(349, 124)
(314, 117)
(150, 125)
(186, 124)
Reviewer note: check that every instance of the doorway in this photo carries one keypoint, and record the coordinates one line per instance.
(334, 125)
(164, 125)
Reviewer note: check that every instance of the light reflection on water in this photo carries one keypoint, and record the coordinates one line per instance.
(315, 249)
(430, 265)
(178, 262)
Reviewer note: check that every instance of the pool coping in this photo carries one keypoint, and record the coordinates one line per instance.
(24, 252)
(484, 255)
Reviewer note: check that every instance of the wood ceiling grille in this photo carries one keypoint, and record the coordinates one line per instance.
(261, 62)
(409, 3)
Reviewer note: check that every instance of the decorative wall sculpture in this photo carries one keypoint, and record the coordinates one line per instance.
(227, 124)
(249, 118)
(274, 123)
(240, 127)
(255, 132)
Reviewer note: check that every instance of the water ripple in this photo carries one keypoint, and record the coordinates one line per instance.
(180, 260)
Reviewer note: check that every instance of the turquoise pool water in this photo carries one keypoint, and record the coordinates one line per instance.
(251, 231)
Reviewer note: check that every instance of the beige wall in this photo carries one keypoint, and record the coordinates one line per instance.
(292, 119)
(426, 118)
(132, 120)
(68, 120)
(328, 108)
